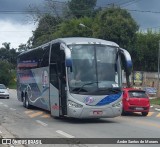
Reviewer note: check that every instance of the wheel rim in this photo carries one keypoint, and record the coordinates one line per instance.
(26, 101)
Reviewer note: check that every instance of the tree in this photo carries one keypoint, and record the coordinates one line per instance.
(145, 54)
(8, 60)
(49, 24)
(46, 26)
(116, 24)
(71, 28)
(6, 45)
(55, 12)
(8, 55)
(5, 72)
(82, 8)
(22, 47)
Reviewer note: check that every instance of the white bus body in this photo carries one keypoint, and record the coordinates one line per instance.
(74, 77)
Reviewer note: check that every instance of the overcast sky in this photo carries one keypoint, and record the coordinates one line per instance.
(16, 27)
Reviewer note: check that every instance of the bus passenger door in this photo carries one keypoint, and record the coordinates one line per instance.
(54, 90)
(57, 79)
(63, 98)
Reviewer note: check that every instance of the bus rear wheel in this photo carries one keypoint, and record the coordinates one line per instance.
(26, 102)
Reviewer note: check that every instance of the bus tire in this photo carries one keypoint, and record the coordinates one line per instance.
(22, 96)
(27, 105)
(24, 103)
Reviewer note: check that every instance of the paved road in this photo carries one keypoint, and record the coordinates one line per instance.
(17, 121)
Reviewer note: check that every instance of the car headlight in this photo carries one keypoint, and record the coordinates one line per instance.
(118, 104)
(73, 104)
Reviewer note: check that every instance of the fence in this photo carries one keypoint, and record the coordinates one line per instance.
(145, 80)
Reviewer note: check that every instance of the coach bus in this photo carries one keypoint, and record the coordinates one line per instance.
(73, 77)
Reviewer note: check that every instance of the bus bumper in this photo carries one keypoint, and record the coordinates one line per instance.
(94, 112)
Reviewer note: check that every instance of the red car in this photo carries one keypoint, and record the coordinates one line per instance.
(135, 100)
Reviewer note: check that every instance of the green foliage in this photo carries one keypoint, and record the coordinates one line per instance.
(6, 45)
(71, 28)
(155, 101)
(82, 8)
(145, 53)
(5, 72)
(116, 24)
(47, 25)
(22, 47)
(8, 55)
(8, 60)
(13, 82)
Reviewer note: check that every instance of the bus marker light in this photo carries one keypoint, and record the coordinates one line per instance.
(73, 104)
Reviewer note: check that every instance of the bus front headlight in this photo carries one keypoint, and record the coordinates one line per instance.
(118, 104)
(73, 104)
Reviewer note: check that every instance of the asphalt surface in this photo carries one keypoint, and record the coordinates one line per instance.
(19, 122)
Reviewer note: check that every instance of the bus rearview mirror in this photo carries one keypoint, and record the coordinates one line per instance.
(126, 61)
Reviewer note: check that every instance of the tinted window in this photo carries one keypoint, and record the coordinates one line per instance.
(45, 57)
(34, 58)
(57, 57)
(55, 53)
(137, 94)
(31, 59)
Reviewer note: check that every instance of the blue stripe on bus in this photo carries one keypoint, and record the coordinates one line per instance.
(129, 63)
(109, 99)
(68, 62)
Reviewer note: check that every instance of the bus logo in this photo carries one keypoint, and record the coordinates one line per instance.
(44, 78)
(89, 100)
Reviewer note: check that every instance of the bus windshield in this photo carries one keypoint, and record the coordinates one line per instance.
(95, 68)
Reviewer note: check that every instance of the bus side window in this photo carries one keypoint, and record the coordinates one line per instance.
(45, 57)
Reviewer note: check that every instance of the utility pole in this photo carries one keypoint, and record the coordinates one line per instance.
(84, 26)
(158, 70)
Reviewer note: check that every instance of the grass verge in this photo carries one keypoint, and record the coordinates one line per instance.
(155, 101)
(12, 86)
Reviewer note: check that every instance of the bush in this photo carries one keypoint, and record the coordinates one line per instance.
(5, 72)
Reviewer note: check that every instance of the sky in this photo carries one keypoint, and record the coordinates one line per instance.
(17, 27)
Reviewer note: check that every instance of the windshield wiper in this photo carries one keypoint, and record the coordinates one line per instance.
(115, 90)
(85, 85)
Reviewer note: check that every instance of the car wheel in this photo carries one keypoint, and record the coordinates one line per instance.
(123, 112)
(144, 113)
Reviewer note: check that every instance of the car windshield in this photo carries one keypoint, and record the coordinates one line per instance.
(2, 87)
(137, 94)
(94, 67)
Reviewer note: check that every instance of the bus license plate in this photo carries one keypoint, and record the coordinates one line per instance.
(97, 112)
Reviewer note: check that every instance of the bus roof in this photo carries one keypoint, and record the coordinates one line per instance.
(84, 40)
(76, 40)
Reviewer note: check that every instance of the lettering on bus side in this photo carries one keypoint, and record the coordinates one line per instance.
(55, 107)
